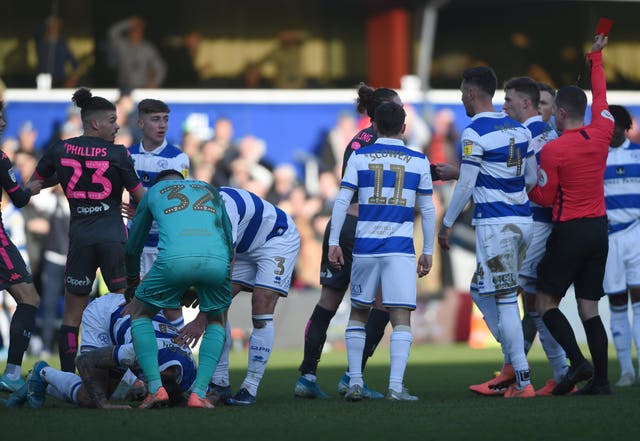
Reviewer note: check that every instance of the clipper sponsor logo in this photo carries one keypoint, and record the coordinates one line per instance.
(12, 175)
(93, 209)
(75, 282)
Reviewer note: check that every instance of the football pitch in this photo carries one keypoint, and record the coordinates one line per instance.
(439, 375)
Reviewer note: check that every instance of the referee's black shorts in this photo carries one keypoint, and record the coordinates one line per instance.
(329, 276)
(576, 253)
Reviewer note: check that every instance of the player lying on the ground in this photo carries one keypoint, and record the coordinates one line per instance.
(107, 348)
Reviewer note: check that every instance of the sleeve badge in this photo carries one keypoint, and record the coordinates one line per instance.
(467, 147)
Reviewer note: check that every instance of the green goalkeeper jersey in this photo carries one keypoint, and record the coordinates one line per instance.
(192, 221)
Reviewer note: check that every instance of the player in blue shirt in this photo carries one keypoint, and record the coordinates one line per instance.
(151, 156)
(495, 170)
(106, 348)
(522, 97)
(266, 243)
(391, 180)
(622, 272)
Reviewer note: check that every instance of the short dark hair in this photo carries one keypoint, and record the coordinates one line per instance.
(483, 77)
(526, 86)
(573, 100)
(621, 116)
(164, 174)
(90, 104)
(369, 98)
(544, 87)
(148, 105)
(389, 118)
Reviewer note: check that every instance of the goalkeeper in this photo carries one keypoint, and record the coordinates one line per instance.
(196, 249)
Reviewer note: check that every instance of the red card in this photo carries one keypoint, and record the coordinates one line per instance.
(604, 26)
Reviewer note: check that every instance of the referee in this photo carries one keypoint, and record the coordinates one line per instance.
(571, 180)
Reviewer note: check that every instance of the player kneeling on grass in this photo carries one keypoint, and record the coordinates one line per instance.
(101, 364)
(195, 250)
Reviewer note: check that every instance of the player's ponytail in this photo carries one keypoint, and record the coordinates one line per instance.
(88, 103)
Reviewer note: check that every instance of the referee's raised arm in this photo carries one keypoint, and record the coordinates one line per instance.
(571, 180)
(600, 115)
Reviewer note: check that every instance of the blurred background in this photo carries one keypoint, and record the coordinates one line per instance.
(262, 96)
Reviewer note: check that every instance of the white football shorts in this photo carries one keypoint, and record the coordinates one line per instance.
(500, 251)
(535, 251)
(623, 261)
(396, 274)
(271, 265)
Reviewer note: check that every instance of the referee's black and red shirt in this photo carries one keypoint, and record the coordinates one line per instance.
(571, 174)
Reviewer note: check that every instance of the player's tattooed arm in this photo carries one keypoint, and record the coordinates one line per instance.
(89, 365)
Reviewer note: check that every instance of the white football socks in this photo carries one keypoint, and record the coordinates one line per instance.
(489, 308)
(400, 347)
(512, 339)
(621, 331)
(354, 337)
(260, 346)
(65, 383)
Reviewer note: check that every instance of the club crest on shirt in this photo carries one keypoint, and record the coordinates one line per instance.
(606, 114)
(467, 147)
(542, 178)
(163, 164)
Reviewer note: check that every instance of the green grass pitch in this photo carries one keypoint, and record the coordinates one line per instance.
(439, 375)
